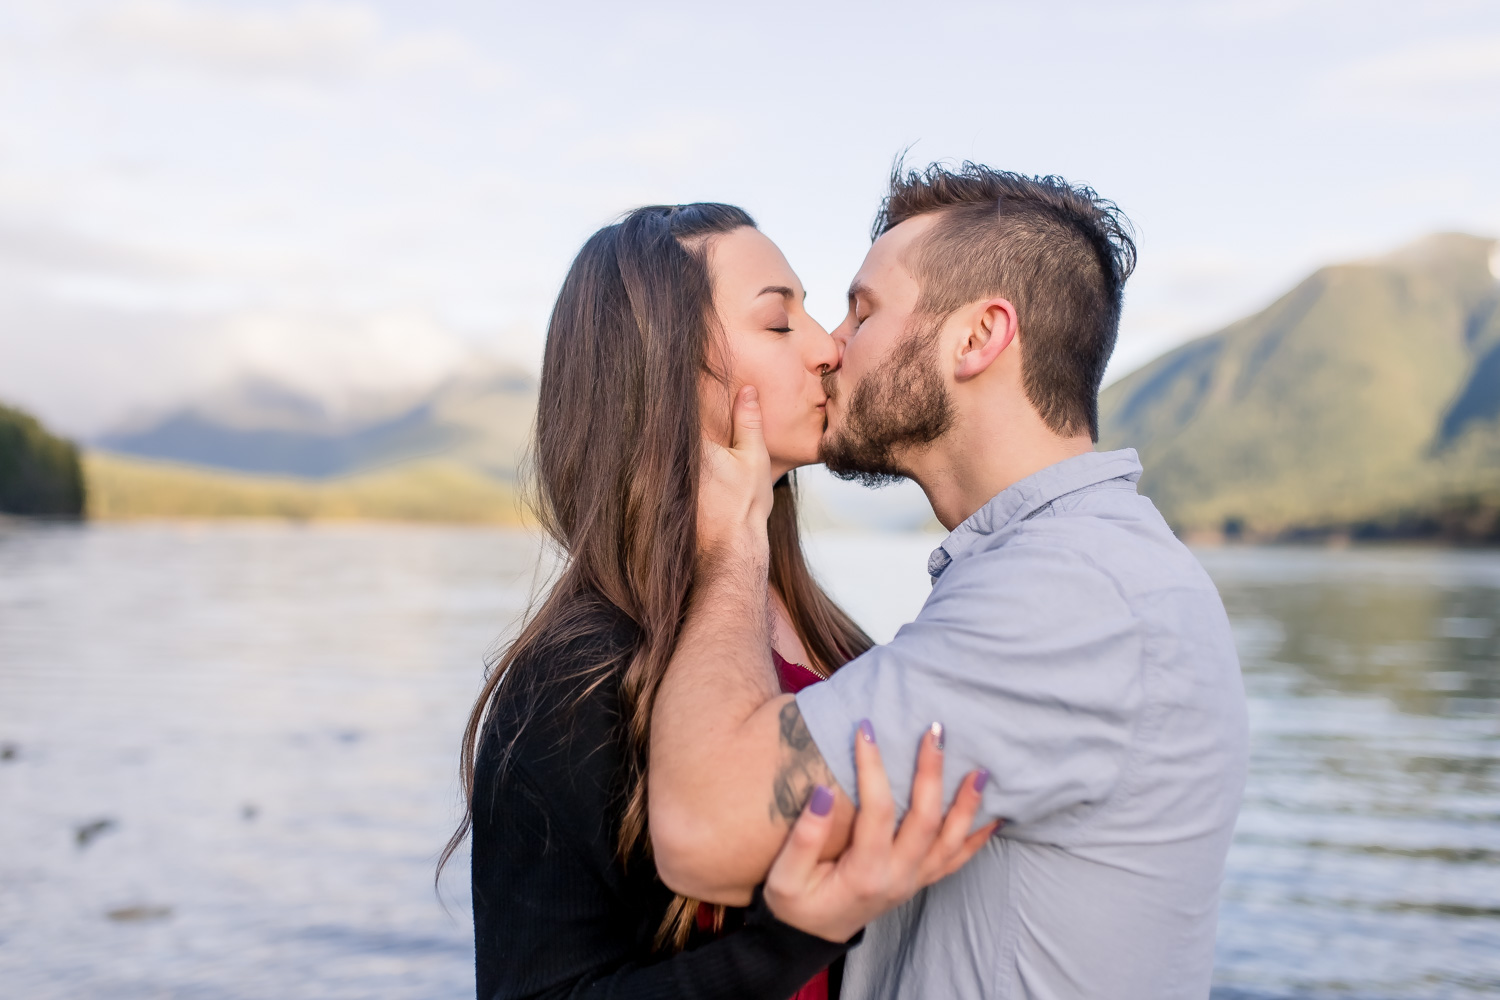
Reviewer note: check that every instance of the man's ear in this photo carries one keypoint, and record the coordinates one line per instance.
(992, 330)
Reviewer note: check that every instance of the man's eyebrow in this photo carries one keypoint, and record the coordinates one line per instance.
(860, 289)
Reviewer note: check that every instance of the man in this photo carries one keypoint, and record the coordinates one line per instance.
(1071, 645)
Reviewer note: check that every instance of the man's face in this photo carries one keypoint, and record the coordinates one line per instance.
(889, 393)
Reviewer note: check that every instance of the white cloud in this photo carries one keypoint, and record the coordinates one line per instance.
(80, 368)
(1443, 80)
(96, 330)
(338, 359)
(48, 260)
(311, 43)
(86, 368)
(1238, 13)
(1239, 16)
(36, 248)
(662, 141)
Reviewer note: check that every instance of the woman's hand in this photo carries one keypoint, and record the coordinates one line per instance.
(883, 866)
(734, 488)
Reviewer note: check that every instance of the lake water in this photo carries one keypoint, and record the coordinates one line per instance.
(227, 758)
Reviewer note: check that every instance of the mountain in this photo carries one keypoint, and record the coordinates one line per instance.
(1364, 402)
(259, 448)
(479, 419)
(39, 473)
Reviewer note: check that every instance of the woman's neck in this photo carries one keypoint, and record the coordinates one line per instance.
(783, 636)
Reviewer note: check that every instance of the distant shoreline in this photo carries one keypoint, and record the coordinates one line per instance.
(1468, 523)
(122, 488)
(443, 491)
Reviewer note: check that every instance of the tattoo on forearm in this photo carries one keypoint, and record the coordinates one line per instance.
(802, 767)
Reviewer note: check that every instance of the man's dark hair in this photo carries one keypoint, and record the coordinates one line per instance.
(1057, 251)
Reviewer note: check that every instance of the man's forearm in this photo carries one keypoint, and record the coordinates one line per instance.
(731, 761)
(722, 661)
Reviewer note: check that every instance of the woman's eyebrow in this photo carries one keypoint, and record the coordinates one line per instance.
(781, 290)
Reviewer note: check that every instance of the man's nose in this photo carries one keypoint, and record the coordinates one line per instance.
(841, 337)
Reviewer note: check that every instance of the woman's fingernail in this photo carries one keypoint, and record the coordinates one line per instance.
(821, 800)
(866, 731)
(981, 778)
(937, 735)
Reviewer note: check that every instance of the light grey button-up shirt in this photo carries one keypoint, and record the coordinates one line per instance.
(1072, 645)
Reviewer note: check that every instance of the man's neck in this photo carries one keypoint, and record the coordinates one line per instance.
(978, 459)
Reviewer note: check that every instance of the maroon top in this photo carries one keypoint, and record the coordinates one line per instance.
(794, 676)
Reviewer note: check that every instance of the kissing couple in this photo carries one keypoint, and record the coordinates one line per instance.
(692, 775)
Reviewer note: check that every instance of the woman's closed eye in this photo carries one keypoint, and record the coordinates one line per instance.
(779, 322)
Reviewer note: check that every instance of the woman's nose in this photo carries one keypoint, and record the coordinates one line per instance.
(825, 355)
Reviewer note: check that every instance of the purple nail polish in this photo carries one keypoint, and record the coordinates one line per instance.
(866, 731)
(821, 800)
(937, 735)
(981, 778)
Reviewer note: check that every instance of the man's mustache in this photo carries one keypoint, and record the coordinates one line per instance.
(830, 384)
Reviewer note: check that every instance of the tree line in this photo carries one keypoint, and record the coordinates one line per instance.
(40, 474)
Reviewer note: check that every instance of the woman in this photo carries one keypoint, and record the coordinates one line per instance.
(661, 318)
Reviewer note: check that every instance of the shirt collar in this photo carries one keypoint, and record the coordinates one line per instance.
(1030, 495)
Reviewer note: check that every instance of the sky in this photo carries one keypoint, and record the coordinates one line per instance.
(359, 197)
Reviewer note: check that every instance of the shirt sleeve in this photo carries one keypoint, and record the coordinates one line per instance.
(1029, 656)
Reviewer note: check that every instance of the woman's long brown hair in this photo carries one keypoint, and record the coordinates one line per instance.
(616, 457)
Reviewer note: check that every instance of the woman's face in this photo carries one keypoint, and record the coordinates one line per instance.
(773, 344)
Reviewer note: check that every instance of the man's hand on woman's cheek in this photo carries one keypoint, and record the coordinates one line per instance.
(734, 490)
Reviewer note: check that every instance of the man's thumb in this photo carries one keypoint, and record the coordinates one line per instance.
(747, 424)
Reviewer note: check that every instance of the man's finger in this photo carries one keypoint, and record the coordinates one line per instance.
(746, 434)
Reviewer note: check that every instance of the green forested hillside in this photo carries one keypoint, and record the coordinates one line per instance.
(1366, 400)
(39, 473)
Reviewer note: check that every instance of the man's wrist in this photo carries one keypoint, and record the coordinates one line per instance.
(746, 552)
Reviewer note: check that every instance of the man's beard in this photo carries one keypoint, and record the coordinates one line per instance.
(901, 404)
